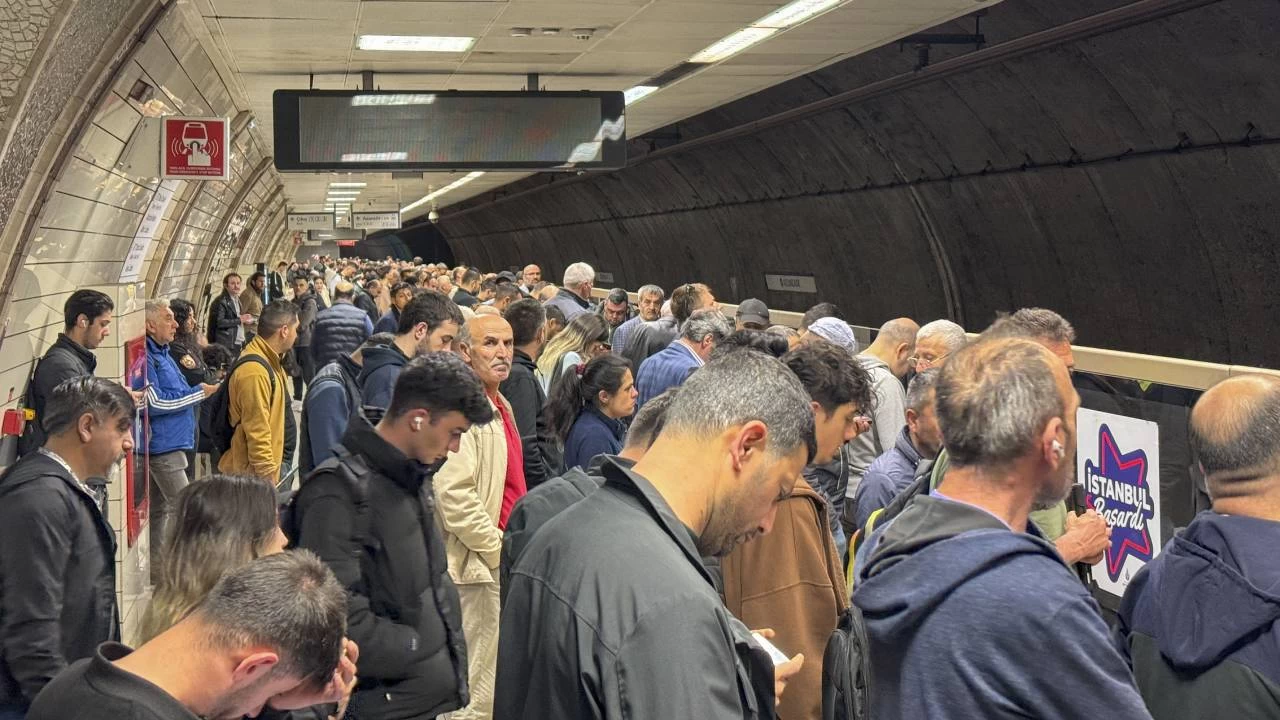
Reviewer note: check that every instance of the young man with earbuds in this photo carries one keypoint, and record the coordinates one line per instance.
(403, 609)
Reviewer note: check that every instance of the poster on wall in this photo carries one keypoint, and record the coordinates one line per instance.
(147, 229)
(137, 472)
(1118, 464)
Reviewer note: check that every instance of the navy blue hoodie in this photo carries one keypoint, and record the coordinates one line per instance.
(1199, 623)
(967, 619)
(381, 367)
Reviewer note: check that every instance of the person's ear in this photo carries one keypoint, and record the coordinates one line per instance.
(252, 667)
(749, 441)
(1051, 448)
(913, 418)
(84, 427)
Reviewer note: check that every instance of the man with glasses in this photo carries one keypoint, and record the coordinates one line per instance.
(935, 342)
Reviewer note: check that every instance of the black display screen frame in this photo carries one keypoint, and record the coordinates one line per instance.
(287, 110)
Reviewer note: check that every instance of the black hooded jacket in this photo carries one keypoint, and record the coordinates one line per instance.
(66, 359)
(403, 610)
(1200, 624)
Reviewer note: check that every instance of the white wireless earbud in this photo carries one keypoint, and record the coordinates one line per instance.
(1058, 450)
(417, 423)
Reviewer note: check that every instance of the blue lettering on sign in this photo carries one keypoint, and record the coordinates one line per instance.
(1117, 489)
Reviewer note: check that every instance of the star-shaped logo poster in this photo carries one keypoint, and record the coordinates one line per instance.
(1117, 487)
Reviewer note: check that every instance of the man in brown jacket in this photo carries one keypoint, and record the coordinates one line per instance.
(790, 580)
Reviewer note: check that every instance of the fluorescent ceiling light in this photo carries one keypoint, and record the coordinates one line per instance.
(732, 44)
(795, 13)
(638, 93)
(332, 191)
(347, 184)
(415, 43)
(375, 157)
(398, 99)
(437, 193)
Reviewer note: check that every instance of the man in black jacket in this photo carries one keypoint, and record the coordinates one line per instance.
(226, 320)
(308, 307)
(403, 610)
(468, 286)
(87, 322)
(600, 630)
(58, 565)
(524, 392)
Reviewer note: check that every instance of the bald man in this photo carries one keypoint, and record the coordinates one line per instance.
(887, 360)
(1199, 623)
(531, 275)
(475, 491)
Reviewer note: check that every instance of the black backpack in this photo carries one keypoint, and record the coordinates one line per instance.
(215, 419)
(846, 670)
(353, 471)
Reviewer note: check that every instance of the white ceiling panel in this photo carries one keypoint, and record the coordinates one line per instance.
(277, 44)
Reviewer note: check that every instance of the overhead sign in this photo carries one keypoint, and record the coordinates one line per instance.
(346, 243)
(604, 278)
(310, 221)
(791, 283)
(1118, 463)
(376, 220)
(147, 229)
(195, 148)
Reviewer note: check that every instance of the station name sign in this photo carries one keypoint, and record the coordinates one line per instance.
(310, 221)
(791, 283)
(376, 220)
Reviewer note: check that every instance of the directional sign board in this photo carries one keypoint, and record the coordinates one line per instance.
(375, 221)
(310, 221)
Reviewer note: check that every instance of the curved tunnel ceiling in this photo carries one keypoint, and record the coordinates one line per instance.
(1127, 179)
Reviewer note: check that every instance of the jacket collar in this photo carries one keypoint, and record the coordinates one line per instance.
(905, 447)
(621, 475)
(384, 457)
(85, 354)
(155, 347)
(616, 427)
(260, 346)
(522, 358)
(563, 292)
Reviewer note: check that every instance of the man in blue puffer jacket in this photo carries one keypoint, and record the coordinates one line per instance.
(171, 403)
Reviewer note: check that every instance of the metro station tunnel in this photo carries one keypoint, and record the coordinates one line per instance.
(1115, 161)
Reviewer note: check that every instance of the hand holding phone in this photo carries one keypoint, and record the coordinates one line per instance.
(776, 655)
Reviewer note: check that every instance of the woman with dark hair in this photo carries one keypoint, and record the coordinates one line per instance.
(186, 349)
(587, 406)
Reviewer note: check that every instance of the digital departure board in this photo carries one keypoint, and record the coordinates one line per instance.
(348, 130)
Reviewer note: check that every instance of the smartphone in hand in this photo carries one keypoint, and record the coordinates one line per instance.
(775, 654)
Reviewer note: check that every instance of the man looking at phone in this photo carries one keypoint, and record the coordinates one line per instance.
(608, 632)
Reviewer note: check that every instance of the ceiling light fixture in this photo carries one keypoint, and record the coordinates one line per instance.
(415, 43)
(437, 193)
(787, 16)
(347, 184)
(638, 93)
(795, 13)
(732, 45)
(334, 191)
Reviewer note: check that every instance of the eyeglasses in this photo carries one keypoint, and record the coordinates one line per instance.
(928, 361)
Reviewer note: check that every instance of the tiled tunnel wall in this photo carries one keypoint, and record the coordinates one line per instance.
(95, 213)
(1117, 221)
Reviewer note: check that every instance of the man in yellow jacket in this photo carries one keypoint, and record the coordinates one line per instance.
(258, 400)
(475, 490)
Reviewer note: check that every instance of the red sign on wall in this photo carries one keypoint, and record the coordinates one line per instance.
(194, 148)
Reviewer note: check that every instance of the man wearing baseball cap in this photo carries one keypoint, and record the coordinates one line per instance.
(753, 314)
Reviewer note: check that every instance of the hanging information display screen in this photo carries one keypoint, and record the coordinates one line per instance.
(347, 130)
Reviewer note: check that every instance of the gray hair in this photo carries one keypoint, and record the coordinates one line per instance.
(71, 399)
(919, 390)
(740, 387)
(704, 322)
(648, 421)
(290, 602)
(651, 290)
(578, 273)
(155, 307)
(951, 334)
(994, 398)
(1032, 324)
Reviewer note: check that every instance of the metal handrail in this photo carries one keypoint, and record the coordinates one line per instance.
(1178, 372)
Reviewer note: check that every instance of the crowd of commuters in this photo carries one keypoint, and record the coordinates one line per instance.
(516, 501)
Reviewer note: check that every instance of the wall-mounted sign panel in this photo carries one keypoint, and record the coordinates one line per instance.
(132, 268)
(1118, 463)
(310, 221)
(351, 130)
(604, 278)
(791, 283)
(195, 148)
(376, 221)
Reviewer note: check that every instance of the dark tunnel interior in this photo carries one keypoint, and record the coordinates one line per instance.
(1118, 168)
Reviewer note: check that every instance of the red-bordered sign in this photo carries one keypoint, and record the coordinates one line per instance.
(195, 148)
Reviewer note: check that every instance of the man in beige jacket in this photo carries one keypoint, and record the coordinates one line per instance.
(475, 491)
